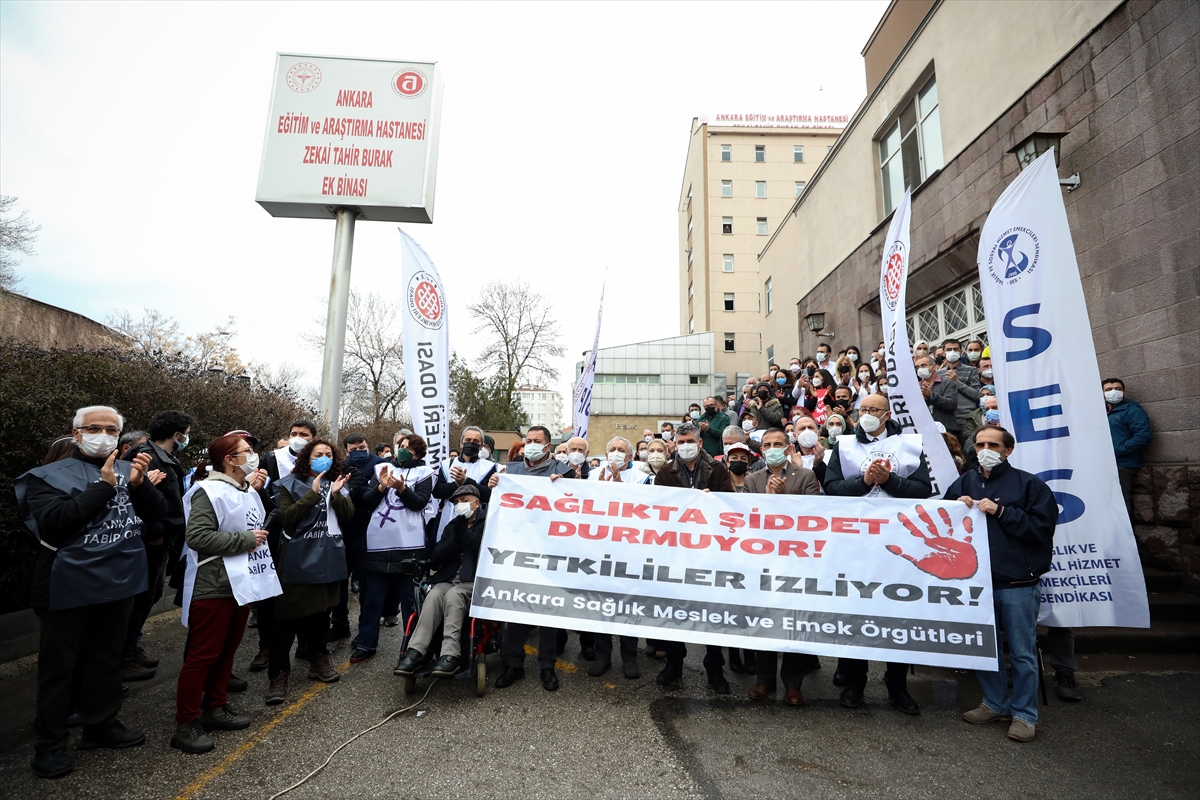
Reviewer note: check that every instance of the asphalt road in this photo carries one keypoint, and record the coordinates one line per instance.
(1135, 735)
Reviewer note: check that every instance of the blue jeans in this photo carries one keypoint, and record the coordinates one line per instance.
(373, 591)
(1016, 615)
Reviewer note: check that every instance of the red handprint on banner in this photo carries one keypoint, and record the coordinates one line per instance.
(950, 558)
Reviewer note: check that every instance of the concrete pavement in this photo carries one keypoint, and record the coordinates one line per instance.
(1136, 734)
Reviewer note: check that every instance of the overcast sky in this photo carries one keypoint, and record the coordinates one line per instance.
(133, 133)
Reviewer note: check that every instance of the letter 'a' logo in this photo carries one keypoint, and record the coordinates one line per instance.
(409, 83)
(425, 302)
(893, 276)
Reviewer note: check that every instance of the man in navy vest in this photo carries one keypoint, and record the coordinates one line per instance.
(89, 512)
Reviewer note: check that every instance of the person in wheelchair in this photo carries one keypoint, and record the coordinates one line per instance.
(453, 561)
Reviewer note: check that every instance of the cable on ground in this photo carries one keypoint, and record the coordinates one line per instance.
(379, 724)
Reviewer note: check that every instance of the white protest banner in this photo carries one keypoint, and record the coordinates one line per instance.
(252, 575)
(1049, 393)
(581, 409)
(885, 579)
(904, 389)
(426, 331)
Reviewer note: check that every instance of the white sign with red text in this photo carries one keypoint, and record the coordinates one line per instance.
(906, 581)
(351, 132)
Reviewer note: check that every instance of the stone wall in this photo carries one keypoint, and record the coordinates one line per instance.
(24, 319)
(1166, 518)
(1128, 100)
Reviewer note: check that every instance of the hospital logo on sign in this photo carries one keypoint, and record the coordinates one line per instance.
(425, 302)
(409, 83)
(1014, 255)
(893, 275)
(303, 77)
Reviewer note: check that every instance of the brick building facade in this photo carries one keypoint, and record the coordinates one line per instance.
(1127, 101)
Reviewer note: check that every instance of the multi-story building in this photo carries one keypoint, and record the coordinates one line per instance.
(960, 97)
(743, 174)
(639, 386)
(543, 406)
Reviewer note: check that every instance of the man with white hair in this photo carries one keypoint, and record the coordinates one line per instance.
(576, 449)
(619, 464)
(89, 512)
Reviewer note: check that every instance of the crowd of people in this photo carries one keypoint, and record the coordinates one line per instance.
(120, 520)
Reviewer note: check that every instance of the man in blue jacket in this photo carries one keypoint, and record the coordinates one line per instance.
(1021, 515)
(1130, 429)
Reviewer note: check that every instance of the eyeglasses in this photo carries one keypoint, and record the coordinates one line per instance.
(111, 430)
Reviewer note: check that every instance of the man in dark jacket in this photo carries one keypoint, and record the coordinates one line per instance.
(713, 423)
(692, 468)
(163, 539)
(453, 560)
(1130, 429)
(89, 512)
(878, 461)
(1021, 516)
(941, 396)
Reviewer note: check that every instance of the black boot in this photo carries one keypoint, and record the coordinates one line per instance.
(901, 699)
(735, 661)
(601, 664)
(716, 680)
(52, 764)
(409, 663)
(509, 676)
(670, 674)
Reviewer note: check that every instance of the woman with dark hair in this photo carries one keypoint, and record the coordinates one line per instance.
(397, 496)
(225, 517)
(312, 562)
(852, 353)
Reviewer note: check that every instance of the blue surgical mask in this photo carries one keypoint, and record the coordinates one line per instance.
(181, 444)
(781, 380)
(321, 464)
(992, 417)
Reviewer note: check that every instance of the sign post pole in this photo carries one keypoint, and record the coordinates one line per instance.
(335, 325)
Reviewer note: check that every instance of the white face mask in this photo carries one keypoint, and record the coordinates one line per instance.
(688, 451)
(817, 381)
(953, 356)
(667, 436)
(616, 458)
(870, 423)
(642, 454)
(794, 368)
(807, 438)
(864, 376)
(989, 459)
(647, 439)
(97, 445)
(562, 458)
(1114, 396)
(462, 509)
(747, 424)
(791, 438)
(694, 414)
(987, 373)
(251, 463)
(923, 373)
(656, 459)
(297, 443)
(973, 355)
(534, 451)
(822, 357)
(835, 431)
(484, 454)
(576, 458)
(852, 356)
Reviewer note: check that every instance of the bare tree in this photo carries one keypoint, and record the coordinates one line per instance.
(157, 333)
(523, 334)
(17, 235)
(373, 389)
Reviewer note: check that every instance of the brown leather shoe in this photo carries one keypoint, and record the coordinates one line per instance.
(322, 670)
(759, 692)
(260, 661)
(133, 671)
(794, 697)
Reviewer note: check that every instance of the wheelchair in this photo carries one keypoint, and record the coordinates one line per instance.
(480, 637)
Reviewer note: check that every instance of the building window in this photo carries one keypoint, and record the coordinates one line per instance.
(762, 226)
(911, 150)
(828, 150)
(958, 313)
(689, 292)
(760, 153)
(729, 343)
(729, 301)
(697, 380)
(691, 324)
(770, 297)
(726, 224)
(799, 188)
(726, 152)
(797, 154)
(771, 355)
(760, 189)
(726, 188)
(727, 262)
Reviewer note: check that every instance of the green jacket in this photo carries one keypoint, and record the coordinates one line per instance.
(202, 535)
(714, 445)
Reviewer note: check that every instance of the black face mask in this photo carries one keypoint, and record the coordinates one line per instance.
(765, 394)
(470, 450)
(712, 412)
(356, 458)
(811, 371)
(738, 467)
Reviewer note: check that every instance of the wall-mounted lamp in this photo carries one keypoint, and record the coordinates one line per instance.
(1034, 146)
(816, 323)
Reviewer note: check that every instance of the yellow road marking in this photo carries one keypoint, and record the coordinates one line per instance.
(565, 666)
(210, 774)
